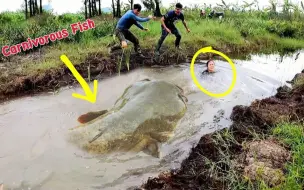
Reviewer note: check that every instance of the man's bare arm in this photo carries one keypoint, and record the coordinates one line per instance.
(185, 24)
(162, 20)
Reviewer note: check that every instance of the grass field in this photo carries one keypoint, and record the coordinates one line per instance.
(239, 32)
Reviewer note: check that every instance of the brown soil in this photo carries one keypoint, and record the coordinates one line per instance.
(248, 159)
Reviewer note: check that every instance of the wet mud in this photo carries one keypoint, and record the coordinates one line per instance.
(211, 161)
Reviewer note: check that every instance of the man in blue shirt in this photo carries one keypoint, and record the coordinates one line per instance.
(124, 24)
(167, 26)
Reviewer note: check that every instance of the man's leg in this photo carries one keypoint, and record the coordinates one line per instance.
(121, 36)
(161, 40)
(178, 37)
(129, 36)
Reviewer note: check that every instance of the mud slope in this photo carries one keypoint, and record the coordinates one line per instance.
(196, 172)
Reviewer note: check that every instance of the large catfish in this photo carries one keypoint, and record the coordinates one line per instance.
(142, 118)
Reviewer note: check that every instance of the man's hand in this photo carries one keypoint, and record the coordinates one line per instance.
(150, 16)
(188, 30)
(124, 44)
(146, 29)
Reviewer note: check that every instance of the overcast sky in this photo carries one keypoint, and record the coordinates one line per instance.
(62, 6)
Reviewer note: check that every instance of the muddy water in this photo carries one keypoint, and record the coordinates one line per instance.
(35, 155)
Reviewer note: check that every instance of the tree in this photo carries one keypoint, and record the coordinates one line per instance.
(36, 7)
(94, 11)
(26, 12)
(157, 12)
(118, 11)
(40, 6)
(116, 8)
(131, 3)
(32, 6)
(149, 4)
(113, 8)
(85, 9)
(90, 6)
(99, 7)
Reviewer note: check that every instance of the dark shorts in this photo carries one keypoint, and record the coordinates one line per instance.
(173, 29)
(124, 35)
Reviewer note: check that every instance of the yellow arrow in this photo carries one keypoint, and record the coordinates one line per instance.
(206, 49)
(90, 96)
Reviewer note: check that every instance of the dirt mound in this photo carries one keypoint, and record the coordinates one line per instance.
(264, 160)
(209, 163)
(286, 105)
(194, 172)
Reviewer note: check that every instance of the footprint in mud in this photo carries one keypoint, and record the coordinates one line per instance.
(218, 116)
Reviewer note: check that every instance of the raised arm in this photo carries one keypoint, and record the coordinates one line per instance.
(139, 19)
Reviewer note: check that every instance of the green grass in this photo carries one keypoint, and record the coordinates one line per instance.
(293, 136)
(289, 134)
(238, 32)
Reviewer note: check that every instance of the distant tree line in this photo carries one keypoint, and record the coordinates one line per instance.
(90, 8)
(31, 6)
(151, 5)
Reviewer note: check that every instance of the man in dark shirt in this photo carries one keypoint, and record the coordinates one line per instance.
(124, 24)
(167, 26)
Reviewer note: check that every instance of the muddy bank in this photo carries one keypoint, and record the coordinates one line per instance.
(101, 66)
(221, 160)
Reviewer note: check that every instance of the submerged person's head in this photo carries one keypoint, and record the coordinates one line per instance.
(137, 9)
(210, 66)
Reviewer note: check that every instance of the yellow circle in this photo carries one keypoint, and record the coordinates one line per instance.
(207, 50)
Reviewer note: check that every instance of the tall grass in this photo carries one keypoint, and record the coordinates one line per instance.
(293, 136)
(289, 134)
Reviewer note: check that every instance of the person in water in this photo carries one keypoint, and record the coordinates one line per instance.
(210, 67)
(167, 26)
(124, 24)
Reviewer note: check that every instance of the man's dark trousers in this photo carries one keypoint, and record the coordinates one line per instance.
(174, 31)
(126, 34)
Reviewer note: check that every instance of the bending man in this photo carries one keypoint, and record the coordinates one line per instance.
(124, 24)
(167, 26)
